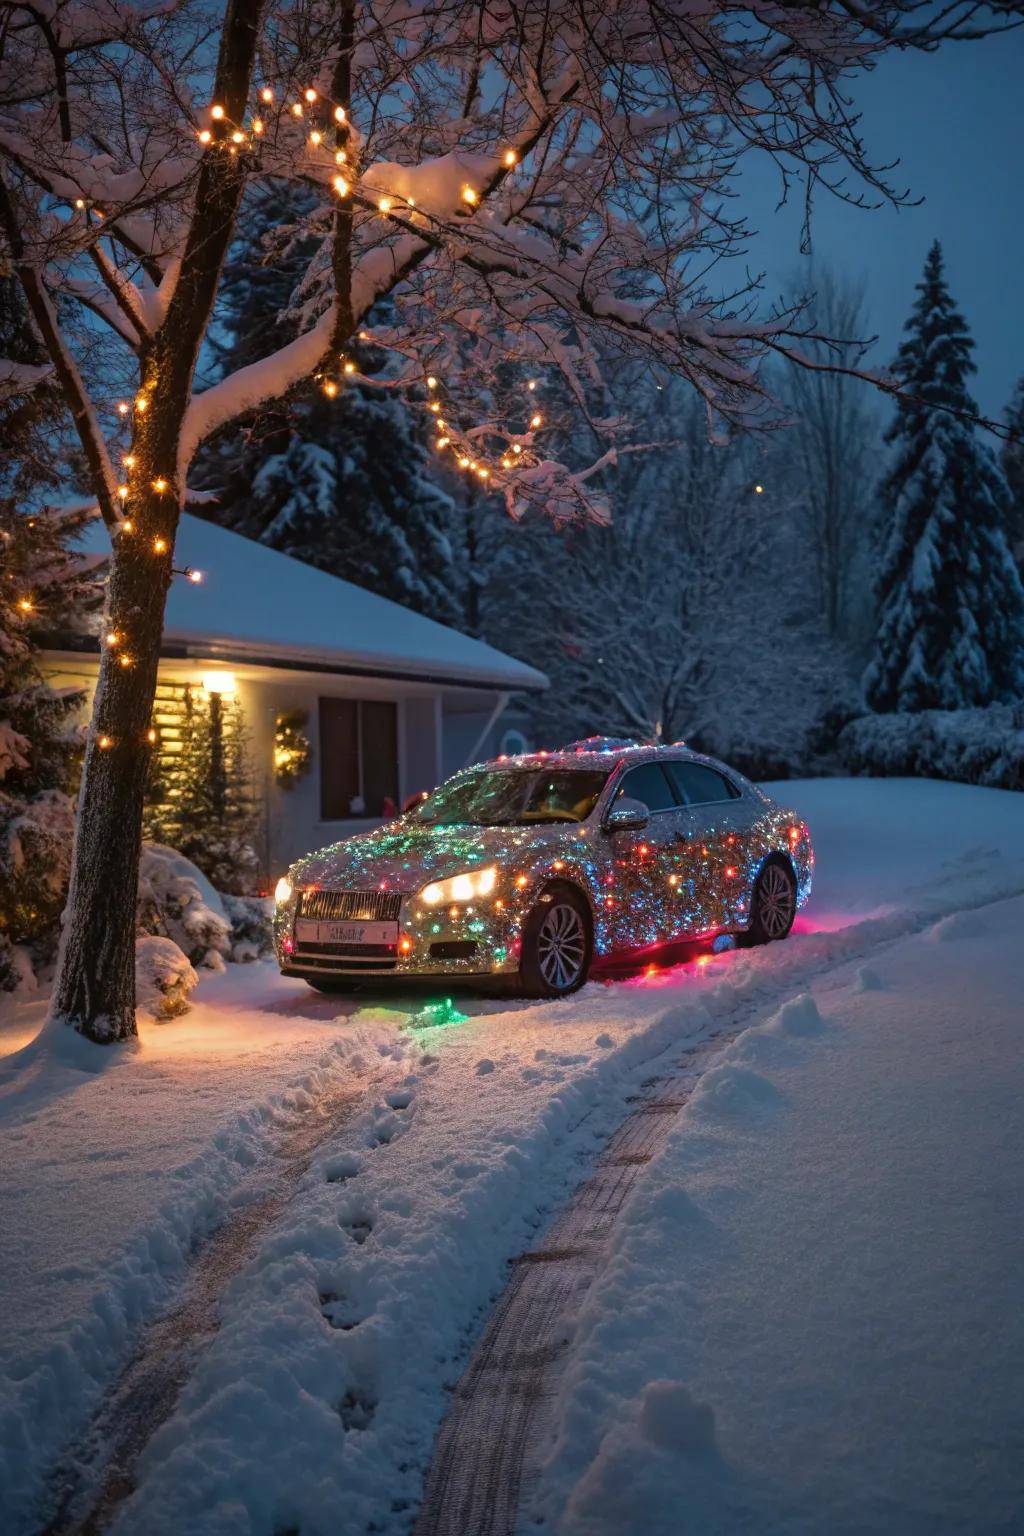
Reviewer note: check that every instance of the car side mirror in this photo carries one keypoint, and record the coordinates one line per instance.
(627, 815)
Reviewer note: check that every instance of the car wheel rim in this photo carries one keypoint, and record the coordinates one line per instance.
(561, 947)
(777, 901)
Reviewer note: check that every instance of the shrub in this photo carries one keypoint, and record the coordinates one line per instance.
(977, 746)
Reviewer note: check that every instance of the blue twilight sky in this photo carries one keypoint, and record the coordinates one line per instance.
(956, 120)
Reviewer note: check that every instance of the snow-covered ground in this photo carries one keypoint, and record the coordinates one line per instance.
(812, 1317)
(444, 1151)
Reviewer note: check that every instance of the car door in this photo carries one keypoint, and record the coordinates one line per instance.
(641, 862)
(711, 849)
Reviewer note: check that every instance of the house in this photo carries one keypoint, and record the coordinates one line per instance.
(393, 702)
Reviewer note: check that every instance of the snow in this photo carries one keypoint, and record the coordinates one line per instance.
(811, 1318)
(446, 1147)
(255, 603)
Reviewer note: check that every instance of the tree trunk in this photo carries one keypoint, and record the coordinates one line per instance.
(94, 990)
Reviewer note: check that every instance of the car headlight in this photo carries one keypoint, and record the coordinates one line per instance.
(283, 891)
(475, 882)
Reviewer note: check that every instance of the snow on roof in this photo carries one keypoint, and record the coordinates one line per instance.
(255, 603)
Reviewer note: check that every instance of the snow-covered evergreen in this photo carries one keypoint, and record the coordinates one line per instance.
(950, 605)
(44, 589)
(339, 481)
(200, 797)
(1013, 469)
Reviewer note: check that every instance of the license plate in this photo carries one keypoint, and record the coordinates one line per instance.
(345, 933)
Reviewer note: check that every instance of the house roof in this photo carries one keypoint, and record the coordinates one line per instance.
(255, 604)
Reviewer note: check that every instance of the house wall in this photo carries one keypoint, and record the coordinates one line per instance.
(473, 736)
(436, 728)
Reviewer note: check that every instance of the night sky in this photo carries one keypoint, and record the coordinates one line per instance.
(956, 120)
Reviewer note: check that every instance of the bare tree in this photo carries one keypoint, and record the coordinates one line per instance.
(506, 173)
(686, 616)
(833, 435)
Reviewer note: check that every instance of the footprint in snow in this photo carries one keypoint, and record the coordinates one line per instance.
(358, 1228)
(484, 1066)
(344, 1166)
(400, 1099)
(340, 1312)
(357, 1410)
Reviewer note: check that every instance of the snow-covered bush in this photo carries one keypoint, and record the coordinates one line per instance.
(252, 926)
(978, 746)
(177, 902)
(163, 977)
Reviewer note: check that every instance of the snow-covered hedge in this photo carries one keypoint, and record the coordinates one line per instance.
(252, 926)
(978, 746)
(176, 901)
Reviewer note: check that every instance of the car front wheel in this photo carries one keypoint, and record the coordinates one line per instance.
(555, 955)
(774, 905)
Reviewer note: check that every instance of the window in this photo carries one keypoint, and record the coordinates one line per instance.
(513, 797)
(698, 785)
(648, 783)
(358, 758)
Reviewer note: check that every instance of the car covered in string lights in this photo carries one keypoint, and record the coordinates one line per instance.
(534, 871)
(531, 872)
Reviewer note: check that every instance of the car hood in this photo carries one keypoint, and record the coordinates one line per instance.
(403, 856)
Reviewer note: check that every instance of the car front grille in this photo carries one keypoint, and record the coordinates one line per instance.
(354, 906)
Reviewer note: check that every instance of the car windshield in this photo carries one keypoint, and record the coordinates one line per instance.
(506, 797)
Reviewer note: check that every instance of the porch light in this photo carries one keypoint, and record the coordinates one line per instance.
(219, 682)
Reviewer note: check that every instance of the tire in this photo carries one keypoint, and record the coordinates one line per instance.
(774, 905)
(557, 945)
(333, 984)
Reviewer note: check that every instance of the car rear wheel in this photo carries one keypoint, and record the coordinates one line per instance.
(774, 905)
(556, 948)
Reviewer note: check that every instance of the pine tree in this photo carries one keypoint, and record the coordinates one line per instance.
(200, 798)
(44, 588)
(340, 482)
(950, 630)
(1013, 469)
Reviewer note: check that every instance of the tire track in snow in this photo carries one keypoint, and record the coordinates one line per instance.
(97, 1474)
(499, 1411)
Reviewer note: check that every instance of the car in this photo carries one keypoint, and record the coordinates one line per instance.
(533, 872)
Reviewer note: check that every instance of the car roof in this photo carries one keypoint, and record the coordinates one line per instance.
(581, 755)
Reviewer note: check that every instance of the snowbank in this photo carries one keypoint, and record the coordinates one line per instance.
(811, 1320)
